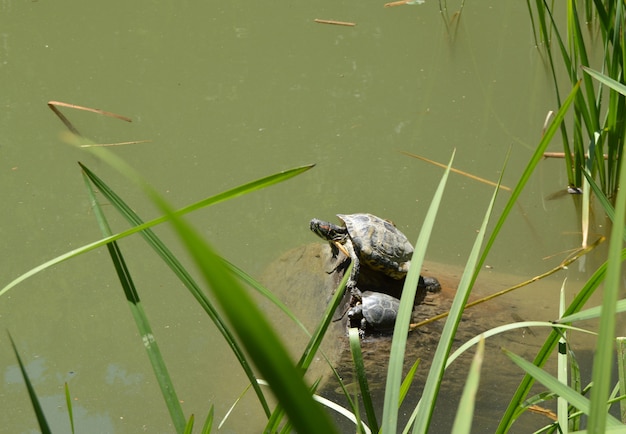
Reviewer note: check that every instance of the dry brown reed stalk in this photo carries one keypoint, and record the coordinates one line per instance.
(460, 172)
(337, 23)
(54, 107)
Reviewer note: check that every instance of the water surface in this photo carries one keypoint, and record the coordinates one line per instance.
(228, 92)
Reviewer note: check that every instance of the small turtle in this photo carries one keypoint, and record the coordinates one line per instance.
(376, 311)
(368, 239)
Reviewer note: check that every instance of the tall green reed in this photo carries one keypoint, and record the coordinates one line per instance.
(594, 139)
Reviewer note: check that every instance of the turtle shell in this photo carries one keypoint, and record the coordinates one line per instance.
(380, 310)
(379, 244)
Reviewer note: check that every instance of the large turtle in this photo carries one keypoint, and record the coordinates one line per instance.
(376, 311)
(368, 239)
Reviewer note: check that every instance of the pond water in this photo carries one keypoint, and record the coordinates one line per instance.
(228, 92)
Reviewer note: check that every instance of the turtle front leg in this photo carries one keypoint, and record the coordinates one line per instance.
(354, 275)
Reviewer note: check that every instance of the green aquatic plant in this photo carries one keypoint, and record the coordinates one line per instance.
(594, 139)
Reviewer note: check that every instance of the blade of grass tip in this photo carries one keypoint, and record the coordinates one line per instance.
(238, 191)
(435, 374)
(359, 368)
(562, 362)
(41, 418)
(208, 423)
(68, 402)
(613, 84)
(141, 319)
(185, 277)
(603, 357)
(408, 380)
(233, 406)
(577, 400)
(465, 412)
(401, 329)
(189, 426)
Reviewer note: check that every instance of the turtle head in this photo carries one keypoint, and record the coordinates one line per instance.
(327, 231)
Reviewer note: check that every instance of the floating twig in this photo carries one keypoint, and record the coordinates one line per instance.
(54, 107)
(102, 145)
(460, 172)
(337, 23)
(398, 3)
(562, 155)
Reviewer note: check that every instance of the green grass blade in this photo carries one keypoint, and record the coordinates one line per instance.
(589, 111)
(189, 426)
(592, 312)
(208, 423)
(576, 399)
(435, 374)
(68, 402)
(514, 408)
(141, 319)
(621, 370)
(398, 344)
(576, 384)
(507, 328)
(613, 84)
(607, 206)
(602, 362)
(318, 335)
(528, 171)
(256, 334)
(185, 277)
(562, 365)
(232, 193)
(408, 380)
(313, 345)
(41, 418)
(254, 284)
(465, 412)
(357, 358)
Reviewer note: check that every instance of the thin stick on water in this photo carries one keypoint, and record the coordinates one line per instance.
(460, 172)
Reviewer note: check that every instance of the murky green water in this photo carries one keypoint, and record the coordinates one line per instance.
(228, 92)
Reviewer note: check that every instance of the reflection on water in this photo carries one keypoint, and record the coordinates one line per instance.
(116, 373)
(229, 92)
(35, 369)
